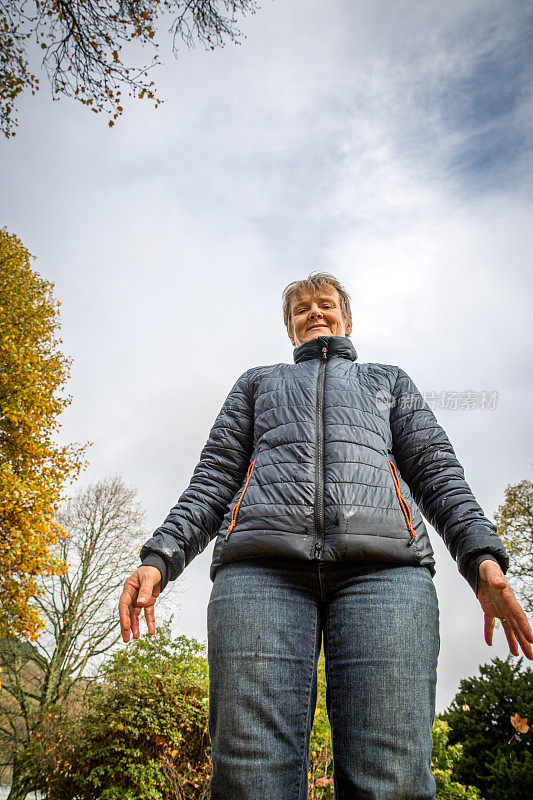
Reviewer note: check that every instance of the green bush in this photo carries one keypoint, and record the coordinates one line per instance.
(443, 759)
(141, 733)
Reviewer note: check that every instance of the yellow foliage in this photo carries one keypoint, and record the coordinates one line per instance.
(33, 467)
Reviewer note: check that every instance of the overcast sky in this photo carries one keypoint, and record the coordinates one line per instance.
(387, 142)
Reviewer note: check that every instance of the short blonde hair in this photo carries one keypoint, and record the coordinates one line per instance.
(314, 283)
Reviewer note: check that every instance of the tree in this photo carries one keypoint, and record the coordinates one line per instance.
(514, 519)
(33, 468)
(84, 45)
(496, 758)
(79, 609)
(142, 733)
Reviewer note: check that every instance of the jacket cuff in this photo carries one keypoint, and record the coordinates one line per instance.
(472, 569)
(153, 560)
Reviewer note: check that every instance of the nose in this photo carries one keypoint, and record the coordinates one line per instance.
(315, 311)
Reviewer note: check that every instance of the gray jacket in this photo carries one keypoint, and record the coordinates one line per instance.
(325, 459)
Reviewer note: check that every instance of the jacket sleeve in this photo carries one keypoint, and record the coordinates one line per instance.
(197, 516)
(429, 466)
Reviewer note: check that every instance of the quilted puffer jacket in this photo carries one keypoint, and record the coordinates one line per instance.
(325, 459)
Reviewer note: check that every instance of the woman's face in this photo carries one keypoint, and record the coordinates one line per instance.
(315, 315)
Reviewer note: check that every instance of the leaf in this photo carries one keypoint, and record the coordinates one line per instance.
(519, 724)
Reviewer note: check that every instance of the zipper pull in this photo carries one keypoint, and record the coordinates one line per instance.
(324, 353)
(231, 526)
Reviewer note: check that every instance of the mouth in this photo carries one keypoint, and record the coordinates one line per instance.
(316, 326)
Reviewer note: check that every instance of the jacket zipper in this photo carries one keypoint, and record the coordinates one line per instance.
(319, 475)
(403, 503)
(235, 510)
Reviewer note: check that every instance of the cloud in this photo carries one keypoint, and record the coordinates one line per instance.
(386, 142)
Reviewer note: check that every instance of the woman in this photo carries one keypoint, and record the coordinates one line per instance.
(311, 481)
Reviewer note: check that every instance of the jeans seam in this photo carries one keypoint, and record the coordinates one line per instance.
(308, 706)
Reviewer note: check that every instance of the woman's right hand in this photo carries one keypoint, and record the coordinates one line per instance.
(140, 591)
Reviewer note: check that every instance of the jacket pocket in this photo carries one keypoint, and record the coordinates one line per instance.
(235, 509)
(403, 503)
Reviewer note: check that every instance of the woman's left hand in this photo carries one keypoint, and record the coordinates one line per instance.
(498, 601)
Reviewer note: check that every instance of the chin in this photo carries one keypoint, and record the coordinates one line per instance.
(316, 333)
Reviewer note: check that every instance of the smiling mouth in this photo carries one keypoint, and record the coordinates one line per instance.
(316, 326)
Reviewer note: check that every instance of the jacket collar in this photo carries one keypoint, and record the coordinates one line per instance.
(335, 346)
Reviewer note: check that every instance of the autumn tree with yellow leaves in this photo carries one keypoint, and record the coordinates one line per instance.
(87, 49)
(34, 468)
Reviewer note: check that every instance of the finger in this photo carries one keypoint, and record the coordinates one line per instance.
(124, 628)
(511, 638)
(520, 638)
(489, 628)
(124, 616)
(149, 614)
(146, 590)
(124, 607)
(135, 614)
(509, 609)
(521, 622)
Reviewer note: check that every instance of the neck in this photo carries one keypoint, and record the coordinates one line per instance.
(340, 346)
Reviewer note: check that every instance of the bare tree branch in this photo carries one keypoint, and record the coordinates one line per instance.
(105, 534)
(83, 43)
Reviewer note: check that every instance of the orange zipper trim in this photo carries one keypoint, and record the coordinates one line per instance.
(237, 504)
(403, 503)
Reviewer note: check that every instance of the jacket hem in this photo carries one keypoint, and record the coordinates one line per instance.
(337, 547)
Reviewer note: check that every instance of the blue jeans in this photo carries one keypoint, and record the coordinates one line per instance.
(380, 624)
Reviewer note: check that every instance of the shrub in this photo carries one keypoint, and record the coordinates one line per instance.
(443, 759)
(141, 733)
